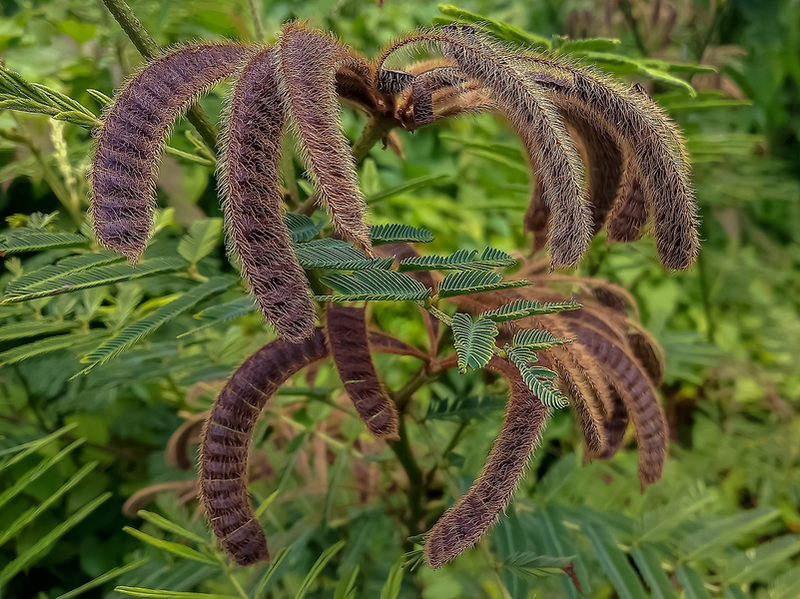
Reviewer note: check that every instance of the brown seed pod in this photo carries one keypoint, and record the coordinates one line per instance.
(629, 379)
(480, 507)
(530, 111)
(307, 64)
(226, 442)
(134, 130)
(252, 200)
(348, 339)
(627, 222)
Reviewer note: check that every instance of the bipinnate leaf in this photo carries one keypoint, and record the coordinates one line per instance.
(474, 341)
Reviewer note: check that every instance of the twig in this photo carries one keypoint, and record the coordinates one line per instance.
(627, 12)
(148, 48)
(255, 12)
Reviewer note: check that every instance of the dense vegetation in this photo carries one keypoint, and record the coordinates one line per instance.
(108, 371)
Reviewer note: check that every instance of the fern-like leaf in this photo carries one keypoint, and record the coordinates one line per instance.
(136, 331)
(335, 254)
(523, 308)
(50, 344)
(536, 339)
(223, 313)
(471, 281)
(537, 378)
(17, 241)
(373, 285)
(34, 328)
(455, 261)
(203, 236)
(94, 277)
(474, 341)
(398, 233)
(63, 268)
(301, 227)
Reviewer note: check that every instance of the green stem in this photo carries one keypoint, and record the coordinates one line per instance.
(627, 12)
(148, 48)
(376, 129)
(402, 449)
(255, 12)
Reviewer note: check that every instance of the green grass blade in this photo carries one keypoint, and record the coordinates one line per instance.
(37, 471)
(277, 560)
(317, 568)
(159, 594)
(26, 558)
(104, 578)
(170, 526)
(692, 584)
(31, 514)
(30, 447)
(614, 563)
(170, 547)
(649, 565)
(391, 588)
(34, 328)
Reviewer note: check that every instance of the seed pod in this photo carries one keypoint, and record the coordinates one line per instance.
(251, 198)
(349, 342)
(480, 507)
(226, 442)
(134, 130)
(307, 65)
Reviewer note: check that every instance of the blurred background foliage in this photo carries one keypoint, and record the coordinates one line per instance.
(74, 450)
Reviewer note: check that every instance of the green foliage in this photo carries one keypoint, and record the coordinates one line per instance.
(373, 285)
(522, 308)
(397, 233)
(471, 281)
(474, 341)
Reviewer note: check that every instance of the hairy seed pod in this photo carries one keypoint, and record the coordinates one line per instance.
(226, 440)
(627, 223)
(537, 217)
(537, 122)
(480, 507)
(649, 352)
(308, 62)
(654, 151)
(629, 379)
(349, 343)
(134, 130)
(249, 186)
(615, 426)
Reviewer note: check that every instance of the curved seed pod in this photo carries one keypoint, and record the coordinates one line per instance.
(627, 223)
(349, 343)
(183, 489)
(615, 426)
(537, 217)
(604, 162)
(250, 189)
(537, 122)
(480, 507)
(630, 381)
(308, 62)
(226, 442)
(649, 352)
(654, 151)
(135, 128)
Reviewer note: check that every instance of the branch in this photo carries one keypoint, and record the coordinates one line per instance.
(148, 48)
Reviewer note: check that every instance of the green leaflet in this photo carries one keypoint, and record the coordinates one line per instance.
(203, 237)
(472, 281)
(34, 328)
(220, 313)
(17, 241)
(72, 264)
(474, 341)
(72, 341)
(88, 277)
(536, 339)
(460, 260)
(537, 378)
(335, 254)
(373, 285)
(398, 233)
(301, 227)
(407, 187)
(317, 568)
(523, 308)
(136, 331)
(649, 565)
(502, 30)
(692, 584)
